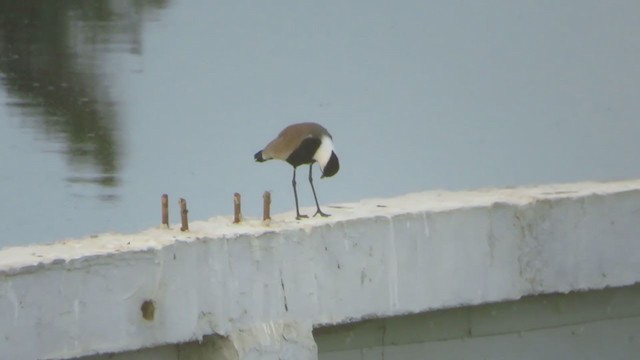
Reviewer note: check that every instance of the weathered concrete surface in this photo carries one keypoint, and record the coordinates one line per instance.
(376, 258)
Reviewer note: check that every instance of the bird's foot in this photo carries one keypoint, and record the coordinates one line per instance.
(319, 212)
(300, 217)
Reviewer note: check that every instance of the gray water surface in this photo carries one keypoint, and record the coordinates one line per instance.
(106, 105)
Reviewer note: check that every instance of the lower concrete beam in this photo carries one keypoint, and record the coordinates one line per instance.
(597, 324)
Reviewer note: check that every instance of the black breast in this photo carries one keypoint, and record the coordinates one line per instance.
(303, 154)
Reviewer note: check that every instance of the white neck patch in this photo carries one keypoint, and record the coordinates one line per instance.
(323, 154)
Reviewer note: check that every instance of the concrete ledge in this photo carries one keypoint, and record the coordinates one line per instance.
(373, 259)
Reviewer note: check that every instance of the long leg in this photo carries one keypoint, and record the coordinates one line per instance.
(314, 194)
(295, 195)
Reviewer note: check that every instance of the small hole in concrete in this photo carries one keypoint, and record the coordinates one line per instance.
(148, 309)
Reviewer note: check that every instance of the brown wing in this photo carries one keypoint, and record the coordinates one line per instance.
(290, 138)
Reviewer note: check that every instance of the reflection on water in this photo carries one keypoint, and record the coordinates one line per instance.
(51, 58)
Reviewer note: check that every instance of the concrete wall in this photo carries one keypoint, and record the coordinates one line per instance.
(262, 288)
(596, 324)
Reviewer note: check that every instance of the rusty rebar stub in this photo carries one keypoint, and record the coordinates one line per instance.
(237, 210)
(165, 210)
(183, 215)
(266, 206)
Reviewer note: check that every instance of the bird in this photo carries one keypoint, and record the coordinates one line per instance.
(300, 144)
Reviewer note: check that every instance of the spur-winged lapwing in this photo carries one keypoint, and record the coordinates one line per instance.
(304, 143)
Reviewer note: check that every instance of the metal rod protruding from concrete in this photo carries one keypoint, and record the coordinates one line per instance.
(165, 210)
(266, 206)
(183, 215)
(237, 214)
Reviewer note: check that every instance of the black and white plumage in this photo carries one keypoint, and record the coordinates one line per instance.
(299, 144)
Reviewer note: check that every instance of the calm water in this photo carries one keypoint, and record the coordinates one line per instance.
(106, 105)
